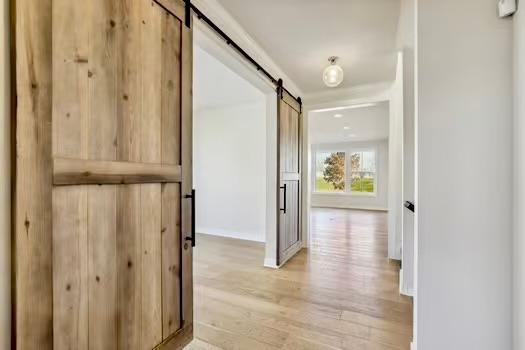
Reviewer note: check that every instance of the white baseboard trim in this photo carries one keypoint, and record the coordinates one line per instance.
(230, 234)
(408, 293)
(270, 263)
(355, 207)
(404, 290)
(396, 257)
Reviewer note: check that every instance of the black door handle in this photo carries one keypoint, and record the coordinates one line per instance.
(192, 237)
(283, 209)
(410, 206)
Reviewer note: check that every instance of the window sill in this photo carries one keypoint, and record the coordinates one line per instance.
(347, 194)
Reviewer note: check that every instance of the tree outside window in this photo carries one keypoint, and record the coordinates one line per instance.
(330, 172)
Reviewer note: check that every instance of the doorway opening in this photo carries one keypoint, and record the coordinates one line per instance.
(346, 273)
(235, 179)
(354, 190)
(234, 147)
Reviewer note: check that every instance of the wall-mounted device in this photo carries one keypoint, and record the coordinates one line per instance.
(506, 8)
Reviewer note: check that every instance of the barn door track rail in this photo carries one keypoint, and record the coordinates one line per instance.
(230, 42)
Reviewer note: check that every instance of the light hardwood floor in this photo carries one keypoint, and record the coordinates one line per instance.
(342, 293)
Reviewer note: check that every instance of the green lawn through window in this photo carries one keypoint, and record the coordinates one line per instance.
(365, 184)
(358, 185)
(322, 186)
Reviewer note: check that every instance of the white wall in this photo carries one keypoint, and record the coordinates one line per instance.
(519, 179)
(465, 124)
(5, 229)
(230, 170)
(248, 78)
(406, 44)
(379, 201)
(395, 182)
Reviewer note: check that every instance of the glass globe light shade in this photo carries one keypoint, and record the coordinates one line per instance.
(333, 75)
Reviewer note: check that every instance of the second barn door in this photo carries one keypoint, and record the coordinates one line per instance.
(289, 169)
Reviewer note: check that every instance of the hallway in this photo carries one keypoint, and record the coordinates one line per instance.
(342, 294)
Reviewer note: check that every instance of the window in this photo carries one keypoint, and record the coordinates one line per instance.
(352, 172)
(330, 172)
(363, 168)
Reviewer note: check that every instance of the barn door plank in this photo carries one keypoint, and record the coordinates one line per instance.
(33, 218)
(151, 266)
(102, 200)
(151, 139)
(171, 211)
(70, 234)
(128, 268)
(129, 201)
(187, 182)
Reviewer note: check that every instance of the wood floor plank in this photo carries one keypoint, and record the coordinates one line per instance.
(342, 293)
(240, 322)
(228, 340)
(198, 344)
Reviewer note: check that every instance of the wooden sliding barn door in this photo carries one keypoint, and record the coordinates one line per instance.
(104, 175)
(289, 170)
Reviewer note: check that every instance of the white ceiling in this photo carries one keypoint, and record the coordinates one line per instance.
(365, 124)
(300, 35)
(215, 85)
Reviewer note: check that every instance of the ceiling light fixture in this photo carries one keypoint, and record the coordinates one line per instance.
(346, 128)
(333, 74)
(338, 115)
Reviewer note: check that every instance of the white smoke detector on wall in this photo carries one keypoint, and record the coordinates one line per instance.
(506, 8)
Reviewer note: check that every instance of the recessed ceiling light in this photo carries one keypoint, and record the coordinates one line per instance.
(352, 135)
(338, 115)
(346, 128)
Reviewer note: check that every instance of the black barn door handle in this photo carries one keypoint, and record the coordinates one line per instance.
(283, 209)
(192, 197)
(410, 206)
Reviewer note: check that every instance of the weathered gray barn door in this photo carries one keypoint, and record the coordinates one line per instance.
(103, 256)
(289, 169)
